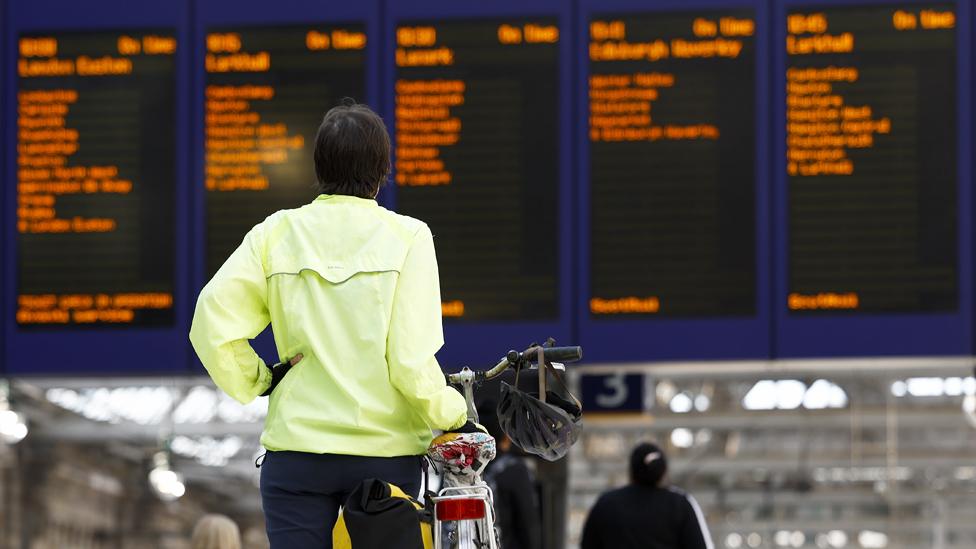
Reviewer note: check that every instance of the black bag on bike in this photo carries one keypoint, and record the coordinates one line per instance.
(379, 515)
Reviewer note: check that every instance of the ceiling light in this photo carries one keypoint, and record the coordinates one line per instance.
(790, 394)
(210, 451)
(899, 388)
(837, 538)
(969, 386)
(818, 395)
(13, 426)
(953, 386)
(926, 386)
(702, 403)
(166, 483)
(682, 438)
(870, 539)
(681, 403)
(762, 396)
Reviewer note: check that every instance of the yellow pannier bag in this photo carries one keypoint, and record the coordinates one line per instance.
(379, 515)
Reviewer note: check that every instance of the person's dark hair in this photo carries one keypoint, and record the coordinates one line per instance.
(648, 465)
(352, 151)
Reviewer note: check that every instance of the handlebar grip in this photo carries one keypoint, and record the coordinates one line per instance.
(563, 354)
(551, 354)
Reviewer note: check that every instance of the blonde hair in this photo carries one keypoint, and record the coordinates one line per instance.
(216, 532)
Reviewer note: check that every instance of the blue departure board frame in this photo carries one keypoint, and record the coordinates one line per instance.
(3, 167)
(476, 343)
(110, 350)
(257, 14)
(675, 338)
(861, 334)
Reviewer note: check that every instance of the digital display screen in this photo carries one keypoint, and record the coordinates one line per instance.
(871, 159)
(266, 92)
(672, 179)
(96, 178)
(477, 159)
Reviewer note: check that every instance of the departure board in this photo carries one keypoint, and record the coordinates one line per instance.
(96, 178)
(477, 130)
(267, 89)
(672, 154)
(871, 159)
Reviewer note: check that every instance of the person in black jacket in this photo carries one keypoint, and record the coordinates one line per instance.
(517, 514)
(647, 513)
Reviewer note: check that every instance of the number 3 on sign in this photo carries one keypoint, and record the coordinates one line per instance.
(614, 392)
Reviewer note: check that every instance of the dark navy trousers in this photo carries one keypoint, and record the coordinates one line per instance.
(301, 493)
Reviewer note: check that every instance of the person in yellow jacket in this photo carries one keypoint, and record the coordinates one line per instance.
(352, 293)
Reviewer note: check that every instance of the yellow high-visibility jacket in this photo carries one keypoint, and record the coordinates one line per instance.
(354, 288)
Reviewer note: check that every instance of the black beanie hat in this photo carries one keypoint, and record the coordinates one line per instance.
(648, 464)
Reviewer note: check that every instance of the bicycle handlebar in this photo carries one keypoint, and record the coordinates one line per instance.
(519, 360)
(549, 354)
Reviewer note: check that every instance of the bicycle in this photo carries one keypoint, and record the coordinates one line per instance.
(464, 515)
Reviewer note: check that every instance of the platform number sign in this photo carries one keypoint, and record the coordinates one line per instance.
(616, 392)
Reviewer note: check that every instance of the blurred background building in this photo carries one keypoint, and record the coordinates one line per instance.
(869, 456)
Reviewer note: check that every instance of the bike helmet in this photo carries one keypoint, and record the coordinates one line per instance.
(547, 429)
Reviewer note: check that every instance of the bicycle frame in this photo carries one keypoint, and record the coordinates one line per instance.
(466, 533)
(477, 531)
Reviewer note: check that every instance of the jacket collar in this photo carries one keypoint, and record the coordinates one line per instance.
(345, 199)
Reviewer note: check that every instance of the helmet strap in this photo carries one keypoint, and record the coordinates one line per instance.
(544, 368)
(542, 373)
